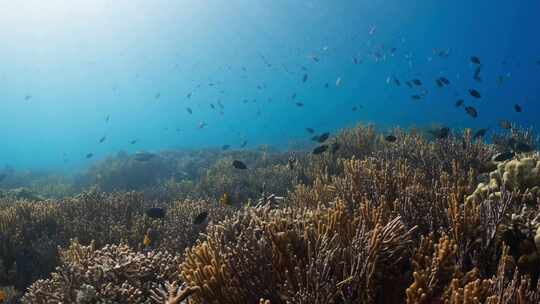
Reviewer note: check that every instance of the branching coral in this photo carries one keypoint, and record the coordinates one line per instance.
(114, 273)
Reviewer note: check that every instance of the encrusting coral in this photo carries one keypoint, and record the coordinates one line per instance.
(520, 175)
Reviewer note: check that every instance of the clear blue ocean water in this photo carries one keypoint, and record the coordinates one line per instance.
(65, 66)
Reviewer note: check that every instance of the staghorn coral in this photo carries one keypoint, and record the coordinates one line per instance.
(294, 256)
(114, 273)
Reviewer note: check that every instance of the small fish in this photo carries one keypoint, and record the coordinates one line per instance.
(334, 147)
(439, 83)
(320, 149)
(225, 147)
(293, 96)
(239, 165)
(310, 130)
(417, 82)
(500, 80)
(409, 84)
(505, 124)
(101, 140)
(338, 82)
(212, 106)
(522, 147)
(89, 155)
(475, 60)
(244, 144)
(397, 82)
(143, 156)
(390, 138)
(355, 60)
(321, 138)
(202, 124)
(474, 93)
(158, 95)
(459, 103)
(189, 110)
(225, 200)
(155, 213)
(471, 111)
(134, 141)
(442, 133)
(416, 97)
(291, 162)
(354, 109)
(200, 218)
(107, 118)
(517, 108)
(3, 176)
(299, 104)
(444, 80)
(326, 85)
(188, 95)
(477, 74)
(501, 157)
(480, 133)
(27, 97)
(305, 77)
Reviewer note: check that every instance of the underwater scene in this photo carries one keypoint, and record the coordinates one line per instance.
(269, 152)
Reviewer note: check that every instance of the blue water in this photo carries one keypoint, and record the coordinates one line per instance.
(66, 65)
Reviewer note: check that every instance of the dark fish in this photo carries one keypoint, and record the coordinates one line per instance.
(155, 213)
(475, 60)
(442, 133)
(416, 97)
(188, 95)
(459, 103)
(293, 96)
(310, 130)
(291, 162)
(107, 118)
(471, 111)
(326, 85)
(320, 149)
(239, 165)
(522, 147)
(409, 84)
(439, 83)
(390, 138)
(417, 82)
(200, 218)
(189, 110)
(474, 93)
(480, 133)
(158, 95)
(101, 140)
(444, 80)
(134, 141)
(477, 74)
(500, 157)
(212, 106)
(335, 147)
(305, 77)
(89, 155)
(354, 109)
(27, 97)
(299, 104)
(244, 144)
(143, 156)
(321, 138)
(517, 108)
(505, 124)
(225, 147)
(397, 82)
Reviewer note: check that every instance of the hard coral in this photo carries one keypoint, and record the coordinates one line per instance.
(520, 175)
(114, 273)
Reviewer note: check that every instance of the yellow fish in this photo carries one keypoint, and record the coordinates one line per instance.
(146, 240)
(3, 296)
(225, 200)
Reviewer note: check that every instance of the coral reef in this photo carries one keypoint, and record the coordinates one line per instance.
(417, 220)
